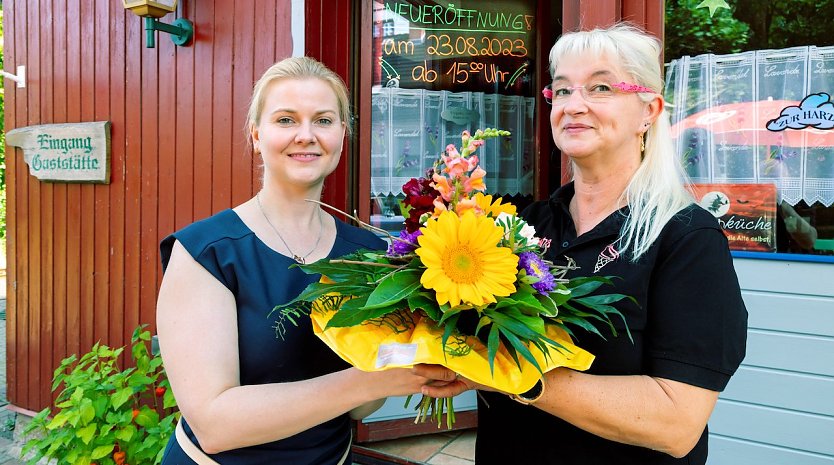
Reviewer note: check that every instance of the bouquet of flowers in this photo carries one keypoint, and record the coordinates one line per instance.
(465, 285)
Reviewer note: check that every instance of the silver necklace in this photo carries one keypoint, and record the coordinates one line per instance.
(303, 259)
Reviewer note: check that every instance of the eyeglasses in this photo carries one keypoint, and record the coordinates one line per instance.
(594, 93)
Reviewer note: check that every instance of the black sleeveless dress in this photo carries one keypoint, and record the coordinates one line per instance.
(260, 278)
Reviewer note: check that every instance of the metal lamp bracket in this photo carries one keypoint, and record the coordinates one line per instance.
(182, 30)
(19, 78)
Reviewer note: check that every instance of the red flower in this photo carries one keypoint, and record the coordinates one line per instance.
(419, 195)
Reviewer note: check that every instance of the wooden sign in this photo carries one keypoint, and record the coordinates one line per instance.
(746, 213)
(70, 152)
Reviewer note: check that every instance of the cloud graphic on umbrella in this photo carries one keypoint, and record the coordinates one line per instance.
(815, 111)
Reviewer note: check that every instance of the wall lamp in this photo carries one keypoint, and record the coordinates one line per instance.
(182, 30)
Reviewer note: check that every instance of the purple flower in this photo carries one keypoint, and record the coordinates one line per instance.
(398, 248)
(535, 266)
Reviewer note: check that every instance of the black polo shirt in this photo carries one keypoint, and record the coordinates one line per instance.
(690, 326)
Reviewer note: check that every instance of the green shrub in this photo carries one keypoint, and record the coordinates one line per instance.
(106, 415)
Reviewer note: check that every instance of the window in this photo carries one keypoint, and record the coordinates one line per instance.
(749, 91)
(439, 70)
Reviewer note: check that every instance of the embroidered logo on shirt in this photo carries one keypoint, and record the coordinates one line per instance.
(608, 255)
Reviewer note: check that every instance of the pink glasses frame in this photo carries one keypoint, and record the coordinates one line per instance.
(622, 86)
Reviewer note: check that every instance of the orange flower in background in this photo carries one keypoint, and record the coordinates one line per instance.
(475, 181)
(443, 185)
(466, 205)
(459, 166)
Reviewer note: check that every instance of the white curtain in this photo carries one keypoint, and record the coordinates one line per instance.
(412, 127)
(720, 106)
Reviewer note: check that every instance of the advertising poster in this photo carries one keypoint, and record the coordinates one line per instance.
(746, 213)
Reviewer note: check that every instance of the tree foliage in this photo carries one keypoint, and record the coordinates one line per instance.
(787, 23)
(748, 25)
(691, 30)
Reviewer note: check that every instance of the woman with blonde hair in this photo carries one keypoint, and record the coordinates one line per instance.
(246, 395)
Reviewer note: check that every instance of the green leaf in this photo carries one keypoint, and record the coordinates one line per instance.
(493, 343)
(58, 421)
(519, 346)
(449, 312)
(34, 449)
(583, 286)
(524, 302)
(341, 271)
(138, 381)
(528, 328)
(77, 395)
(100, 405)
(105, 429)
(560, 295)
(147, 417)
(582, 323)
(168, 400)
(532, 322)
(394, 288)
(421, 301)
(551, 309)
(72, 456)
(315, 290)
(65, 404)
(595, 300)
(102, 451)
(482, 321)
(143, 335)
(88, 412)
(38, 421)
(125, 434)
(86, 433)
(450, 328)
(353, 317)
(121, 396)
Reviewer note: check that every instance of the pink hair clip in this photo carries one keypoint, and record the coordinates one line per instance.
(628, 87)
(547, 92)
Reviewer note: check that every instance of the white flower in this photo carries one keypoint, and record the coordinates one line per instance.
(529, 233)
(505, 220)
(513, 224)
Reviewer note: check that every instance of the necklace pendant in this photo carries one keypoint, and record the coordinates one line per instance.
(298, 259)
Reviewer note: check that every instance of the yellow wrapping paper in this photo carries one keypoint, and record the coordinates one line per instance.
(374, 348)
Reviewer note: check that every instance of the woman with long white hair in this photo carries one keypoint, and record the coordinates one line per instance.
(625, 214)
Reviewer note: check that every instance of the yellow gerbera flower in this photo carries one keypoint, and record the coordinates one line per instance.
(491, 208)
(463, 261)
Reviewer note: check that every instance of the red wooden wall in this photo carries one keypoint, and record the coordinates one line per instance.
(585, 14)
(83, 260)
